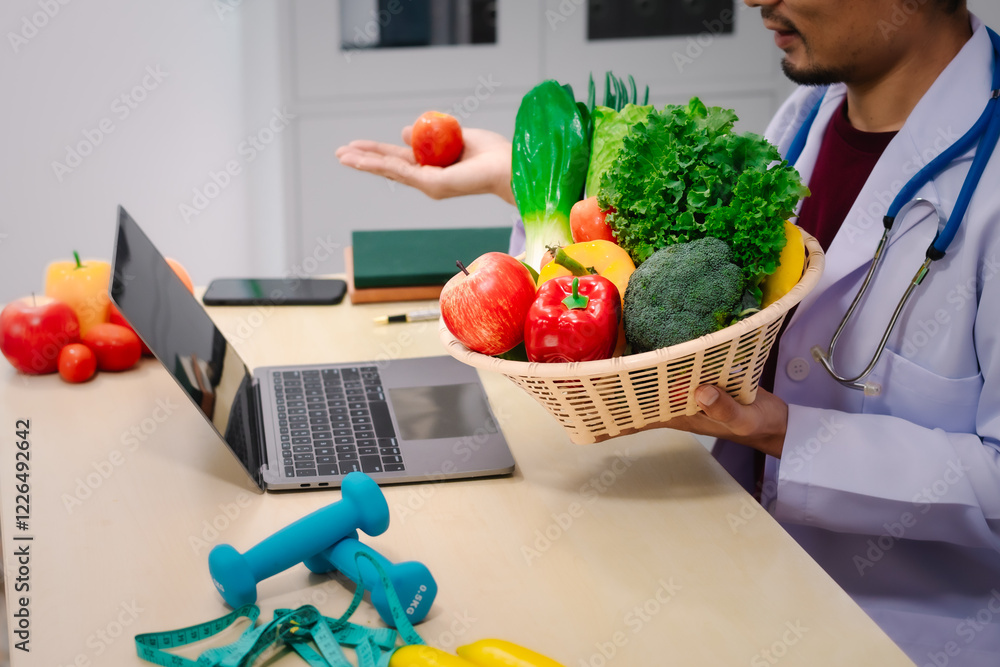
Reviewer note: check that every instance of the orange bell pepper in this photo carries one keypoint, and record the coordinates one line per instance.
(601, 257)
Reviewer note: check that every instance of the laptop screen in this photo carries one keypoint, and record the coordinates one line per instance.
(175, 326)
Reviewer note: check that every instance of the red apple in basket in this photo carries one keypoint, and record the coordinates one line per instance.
(484, 306)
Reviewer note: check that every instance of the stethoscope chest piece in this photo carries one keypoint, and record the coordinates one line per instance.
(983, 137)
(826, 358)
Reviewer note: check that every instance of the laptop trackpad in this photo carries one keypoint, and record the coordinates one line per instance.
(441, 411)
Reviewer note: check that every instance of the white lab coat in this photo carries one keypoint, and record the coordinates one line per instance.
(897, 496)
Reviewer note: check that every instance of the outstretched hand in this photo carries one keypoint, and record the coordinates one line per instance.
(483, 168)
(761, 424)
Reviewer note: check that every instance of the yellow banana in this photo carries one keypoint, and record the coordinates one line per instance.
(417, 655)
(500, 653)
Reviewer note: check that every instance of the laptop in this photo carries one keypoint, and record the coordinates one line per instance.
(307, 426)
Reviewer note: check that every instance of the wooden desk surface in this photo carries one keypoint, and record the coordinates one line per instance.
(640, 551)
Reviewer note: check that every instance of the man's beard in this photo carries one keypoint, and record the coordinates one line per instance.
(809, 76)
(813, 76)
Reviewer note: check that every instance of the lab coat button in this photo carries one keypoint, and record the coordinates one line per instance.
(798, 369)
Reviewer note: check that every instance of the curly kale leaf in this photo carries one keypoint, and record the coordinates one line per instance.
(683, 174)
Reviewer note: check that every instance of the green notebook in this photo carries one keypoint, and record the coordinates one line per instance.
(406, 257)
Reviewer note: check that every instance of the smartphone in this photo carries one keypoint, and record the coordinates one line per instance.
(274, 292)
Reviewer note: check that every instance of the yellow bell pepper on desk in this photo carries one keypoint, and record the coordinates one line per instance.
(83, 286)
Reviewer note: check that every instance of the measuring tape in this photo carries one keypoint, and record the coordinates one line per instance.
(298, 629)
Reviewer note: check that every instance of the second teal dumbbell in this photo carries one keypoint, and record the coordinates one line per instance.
(362, 506)
(412, 581)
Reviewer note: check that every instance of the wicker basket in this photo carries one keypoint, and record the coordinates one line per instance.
(598, 400)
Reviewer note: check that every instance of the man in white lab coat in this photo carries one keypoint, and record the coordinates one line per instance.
(896, 495)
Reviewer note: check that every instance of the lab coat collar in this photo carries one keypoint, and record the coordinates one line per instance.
(949, 108)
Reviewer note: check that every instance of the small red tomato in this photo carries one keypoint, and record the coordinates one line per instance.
(587, 222)
(436, 139)
(117, 347)
(77, 363)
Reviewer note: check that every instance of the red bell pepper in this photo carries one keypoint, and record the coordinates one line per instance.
(573, 318)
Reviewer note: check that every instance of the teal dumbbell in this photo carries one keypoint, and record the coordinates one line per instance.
(412, 581)
(362, 506)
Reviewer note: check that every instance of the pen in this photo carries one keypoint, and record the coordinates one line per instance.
(412, 316)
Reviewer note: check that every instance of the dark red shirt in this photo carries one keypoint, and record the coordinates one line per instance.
(846, 159)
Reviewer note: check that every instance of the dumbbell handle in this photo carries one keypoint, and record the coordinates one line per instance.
(414, 585)
(315, 532)
(284, 548)
(362, 506)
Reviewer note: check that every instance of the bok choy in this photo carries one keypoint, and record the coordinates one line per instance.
(551, 153)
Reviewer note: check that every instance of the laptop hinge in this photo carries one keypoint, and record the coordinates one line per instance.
(257, 429)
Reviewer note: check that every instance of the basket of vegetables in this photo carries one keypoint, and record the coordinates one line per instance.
(659, 258)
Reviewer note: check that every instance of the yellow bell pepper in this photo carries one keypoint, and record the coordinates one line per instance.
(418, 655)
(791, 261)
(604, 257)
(500, 653)
(83, 286)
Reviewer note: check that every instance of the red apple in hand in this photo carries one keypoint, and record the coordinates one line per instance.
(436, 139)
(33, 330)
(587, 222)
(485, 308)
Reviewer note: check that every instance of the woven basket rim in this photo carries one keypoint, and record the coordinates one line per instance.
(814, 265)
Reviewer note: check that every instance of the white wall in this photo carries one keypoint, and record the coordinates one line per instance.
(63, 87)
(226, 66)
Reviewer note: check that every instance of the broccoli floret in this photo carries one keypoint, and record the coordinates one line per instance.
(681, 292)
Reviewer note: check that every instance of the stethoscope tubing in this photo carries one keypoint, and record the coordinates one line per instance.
(983, 136)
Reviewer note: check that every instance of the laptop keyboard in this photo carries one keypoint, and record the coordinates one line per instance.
(334, 421)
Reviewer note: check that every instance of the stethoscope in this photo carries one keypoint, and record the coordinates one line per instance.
(983, 135)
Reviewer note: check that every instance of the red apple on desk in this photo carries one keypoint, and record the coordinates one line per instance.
(33, 330)
(485, 305)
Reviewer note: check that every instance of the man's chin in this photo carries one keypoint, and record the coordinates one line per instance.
(810, 76)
